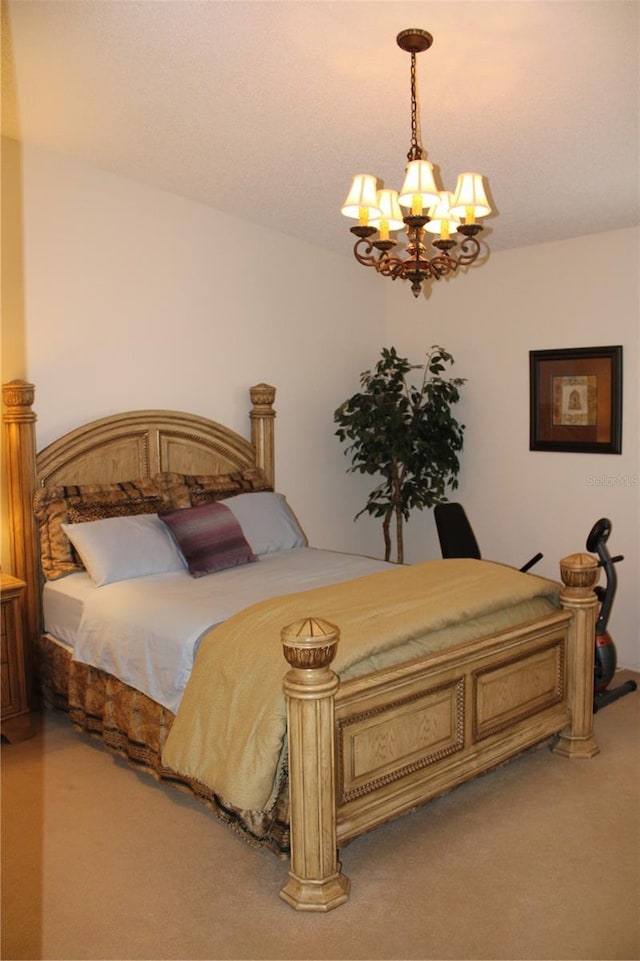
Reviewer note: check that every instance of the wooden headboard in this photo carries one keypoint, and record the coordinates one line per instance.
(117, 448)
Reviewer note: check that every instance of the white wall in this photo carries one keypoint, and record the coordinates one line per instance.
(576, 293)
(137, 298)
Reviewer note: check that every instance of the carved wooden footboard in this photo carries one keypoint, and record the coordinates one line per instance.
(379, 745)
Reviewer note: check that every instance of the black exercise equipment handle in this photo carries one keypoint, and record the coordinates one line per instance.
(597, 542)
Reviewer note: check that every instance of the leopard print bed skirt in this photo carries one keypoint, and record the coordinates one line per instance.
(136, 728)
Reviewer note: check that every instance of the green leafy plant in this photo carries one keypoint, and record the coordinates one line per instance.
(405, 433)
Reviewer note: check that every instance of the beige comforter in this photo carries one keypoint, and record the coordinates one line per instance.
(229, 731)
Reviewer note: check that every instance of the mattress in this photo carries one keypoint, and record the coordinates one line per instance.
(146, 630)
(63, 603)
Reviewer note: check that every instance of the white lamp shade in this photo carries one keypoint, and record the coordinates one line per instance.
(389, 209)
(440, 214)
(419, 182)
(362, 196)
(470, 196)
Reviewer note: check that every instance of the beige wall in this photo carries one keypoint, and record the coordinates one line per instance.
(576, 293)
(137, 298)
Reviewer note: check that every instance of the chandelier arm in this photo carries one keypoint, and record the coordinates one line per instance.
(366, 259)
(407, 269)
(469, 252)
(443, 264)
(416, 267)
(391, 267)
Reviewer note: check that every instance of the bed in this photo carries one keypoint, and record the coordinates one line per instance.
(399, 721)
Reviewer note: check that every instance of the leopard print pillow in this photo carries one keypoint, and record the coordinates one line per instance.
(195, 490)
(73, 504)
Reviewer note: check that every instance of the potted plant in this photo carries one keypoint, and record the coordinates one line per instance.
(405, 433)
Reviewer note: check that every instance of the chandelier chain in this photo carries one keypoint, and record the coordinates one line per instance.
(415, 151)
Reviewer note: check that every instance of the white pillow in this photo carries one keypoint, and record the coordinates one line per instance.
(119, 548)
(267, 521)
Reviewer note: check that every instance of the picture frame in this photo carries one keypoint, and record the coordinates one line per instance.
(576, 400)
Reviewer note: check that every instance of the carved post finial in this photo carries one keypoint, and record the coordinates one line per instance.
(310, 643)
(18, 394)
(315, 881)
(262, 395)
(579, 572)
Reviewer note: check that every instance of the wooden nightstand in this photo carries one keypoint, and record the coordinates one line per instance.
(16, 720)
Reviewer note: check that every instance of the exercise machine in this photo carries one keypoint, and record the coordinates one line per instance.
(605, 662)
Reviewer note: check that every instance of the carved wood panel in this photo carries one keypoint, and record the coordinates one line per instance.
(385, 743)
(187, 454)
(105, 462)
(524, 686)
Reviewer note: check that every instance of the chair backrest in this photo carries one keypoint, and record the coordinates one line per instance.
(455, 532)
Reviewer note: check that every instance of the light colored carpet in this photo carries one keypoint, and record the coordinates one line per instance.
(537, 860)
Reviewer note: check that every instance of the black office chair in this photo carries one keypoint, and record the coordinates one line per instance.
(456, 534)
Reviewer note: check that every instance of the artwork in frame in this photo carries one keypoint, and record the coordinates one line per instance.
(576, 400)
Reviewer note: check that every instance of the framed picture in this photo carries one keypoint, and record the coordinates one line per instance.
(576, 400)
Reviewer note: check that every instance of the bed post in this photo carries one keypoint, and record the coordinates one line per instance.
(20, 474)
(315, 881)
(580, 574)
(262, 423)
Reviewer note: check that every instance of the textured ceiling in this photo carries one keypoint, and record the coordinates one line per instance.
(265, 109)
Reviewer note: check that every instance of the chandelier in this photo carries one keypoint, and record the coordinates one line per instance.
(427, 209)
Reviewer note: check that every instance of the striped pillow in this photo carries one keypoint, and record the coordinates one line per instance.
(209, 537)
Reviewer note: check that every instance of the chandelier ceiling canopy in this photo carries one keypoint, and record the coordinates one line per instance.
(420, 208)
